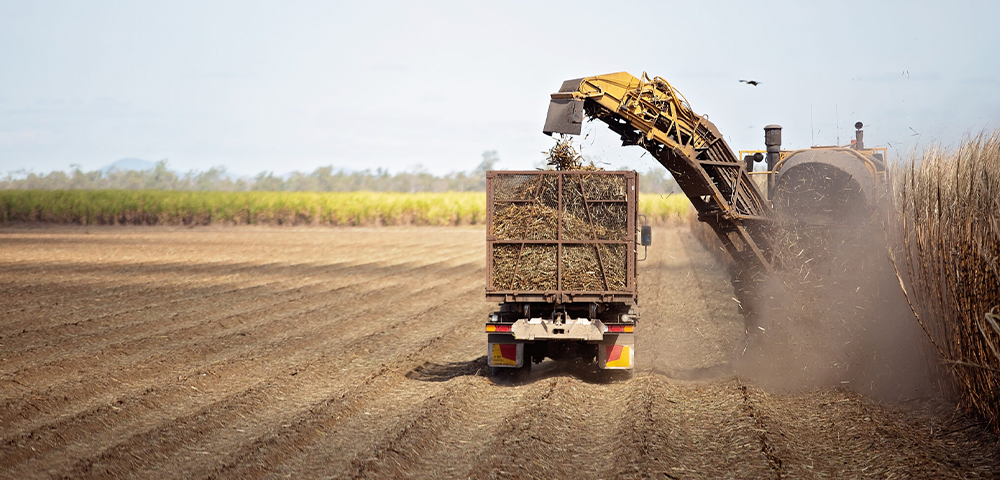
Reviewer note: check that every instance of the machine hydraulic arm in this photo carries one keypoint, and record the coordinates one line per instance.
(652, 114)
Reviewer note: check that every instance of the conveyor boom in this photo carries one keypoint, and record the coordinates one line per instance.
(652, 114)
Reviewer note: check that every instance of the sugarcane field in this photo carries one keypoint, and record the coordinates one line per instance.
(496, 241)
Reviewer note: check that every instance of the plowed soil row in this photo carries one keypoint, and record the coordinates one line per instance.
(358, 353)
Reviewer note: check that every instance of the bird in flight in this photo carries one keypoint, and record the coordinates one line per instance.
(750, 82)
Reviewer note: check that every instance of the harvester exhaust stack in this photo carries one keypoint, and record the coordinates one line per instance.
(772, 139)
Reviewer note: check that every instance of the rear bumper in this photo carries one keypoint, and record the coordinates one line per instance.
(614, 350)
(571, 329)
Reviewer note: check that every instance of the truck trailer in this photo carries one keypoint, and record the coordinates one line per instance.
(561, 263)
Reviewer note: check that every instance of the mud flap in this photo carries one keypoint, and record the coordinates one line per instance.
(509, 355)
(618, 354)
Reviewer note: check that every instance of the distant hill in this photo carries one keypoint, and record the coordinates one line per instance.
(129, 164)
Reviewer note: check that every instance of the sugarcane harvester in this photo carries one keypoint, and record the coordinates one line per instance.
(823, 187)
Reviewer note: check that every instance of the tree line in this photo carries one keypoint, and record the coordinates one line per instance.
(323, 179)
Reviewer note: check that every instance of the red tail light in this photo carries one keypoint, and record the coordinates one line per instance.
(620, 328)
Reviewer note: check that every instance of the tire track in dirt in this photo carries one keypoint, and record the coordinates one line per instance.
(542, 435)
(553, 442)
(463, 432)
(441, 287)
(643, 445)
(688, 430)
(145, 323)
(405, 439)
(209, 416)
(450, 443)
(197, 272)
(837, 433)
(496, 456)
(689, 321)
(761, 425)
(165, 322)
(195, 345)
(293, 450)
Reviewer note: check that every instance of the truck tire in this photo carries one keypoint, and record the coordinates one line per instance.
(519, 374)
(611, 376)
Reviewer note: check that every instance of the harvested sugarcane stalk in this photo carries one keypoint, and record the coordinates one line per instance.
(563, 156)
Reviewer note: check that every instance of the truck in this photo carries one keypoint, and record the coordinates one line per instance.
(561, 265)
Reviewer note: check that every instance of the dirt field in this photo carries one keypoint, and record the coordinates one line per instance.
(345, 353)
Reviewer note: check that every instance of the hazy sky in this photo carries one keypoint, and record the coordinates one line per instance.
(295, 85)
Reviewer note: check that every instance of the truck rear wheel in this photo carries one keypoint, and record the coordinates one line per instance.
(609, 376)
(508, 374)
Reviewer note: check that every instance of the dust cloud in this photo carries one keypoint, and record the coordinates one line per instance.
(833, 313)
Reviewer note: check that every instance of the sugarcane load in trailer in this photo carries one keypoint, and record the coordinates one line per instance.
(561, 264)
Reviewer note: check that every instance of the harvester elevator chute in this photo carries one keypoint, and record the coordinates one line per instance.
(652, 114)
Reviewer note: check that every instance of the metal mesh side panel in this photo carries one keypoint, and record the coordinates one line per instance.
(604, 187)
(592, 217)
(536, 269)
(606, 221)
(525, 207)
(524, 221)
(582, 272)
(508, 187)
